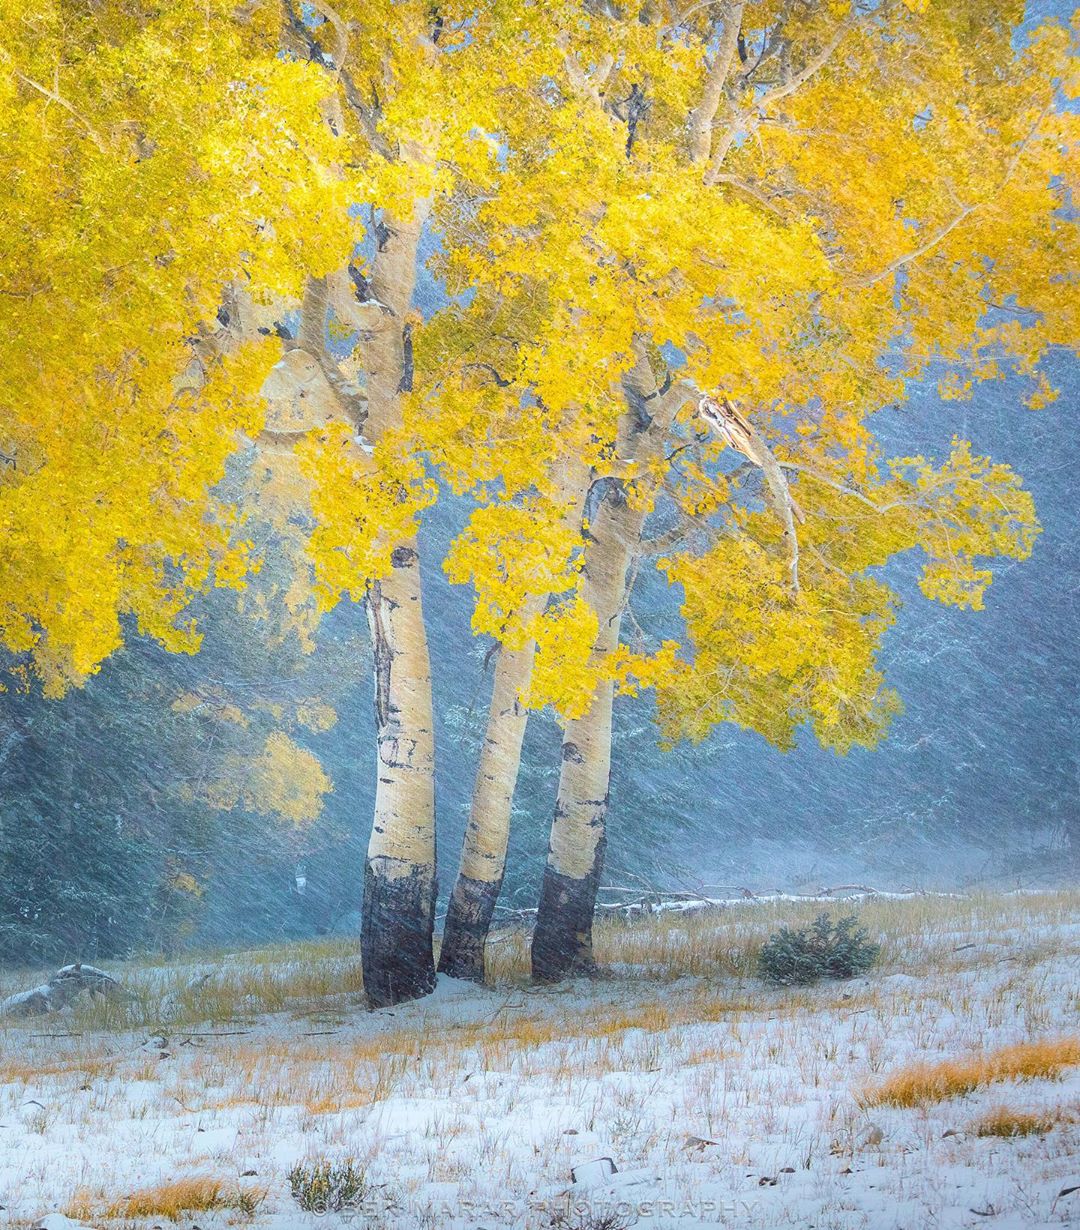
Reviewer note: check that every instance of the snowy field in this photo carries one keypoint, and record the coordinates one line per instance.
(719, 1101)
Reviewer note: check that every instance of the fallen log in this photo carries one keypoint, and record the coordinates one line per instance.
(59, 991)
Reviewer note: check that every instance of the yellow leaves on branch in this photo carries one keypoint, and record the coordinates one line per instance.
(770, 664)
(565, 674)
(365, 505)
(154, 155)
(568, 669)
(770, 661)
(633, 672)
(975, 508)
(284, 780)
(853, 223)
(514, 555)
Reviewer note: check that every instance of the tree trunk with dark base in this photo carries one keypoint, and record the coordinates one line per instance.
(398, 917)
(472, 907)
(562, 941)
(397, 929)
(483, 853)
(399, 878)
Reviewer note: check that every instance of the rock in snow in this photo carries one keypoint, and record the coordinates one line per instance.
(586, 1174)
(57, 1221)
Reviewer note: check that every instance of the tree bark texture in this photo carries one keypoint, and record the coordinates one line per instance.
(487, 834)
(397, 921)
(562, 941)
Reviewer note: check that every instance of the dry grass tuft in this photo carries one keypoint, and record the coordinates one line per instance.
(1001, 1121)
(86, 1066)
(921, 1084)
(198, 1194)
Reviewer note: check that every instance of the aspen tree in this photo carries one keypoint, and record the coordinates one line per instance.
(796, 211)
(692, 249)
(167, 160)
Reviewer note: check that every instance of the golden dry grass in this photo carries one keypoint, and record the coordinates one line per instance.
(1003, 1121)
(922, 1084)
(174, 1200)
(197, 1194)
(86, 1065)
(919, 935)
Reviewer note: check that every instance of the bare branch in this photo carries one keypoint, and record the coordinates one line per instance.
(637, 107)
(61, 101)
(603, 71)
(943, 481)
(772, 42)
(739, 433)
(340, 29)
(32, 293)
(584, 83)
(761, 105)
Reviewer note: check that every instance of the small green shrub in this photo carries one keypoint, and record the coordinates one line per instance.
(327, 1187)
(822, 950)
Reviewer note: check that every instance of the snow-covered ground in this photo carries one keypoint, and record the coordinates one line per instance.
(719, 1101)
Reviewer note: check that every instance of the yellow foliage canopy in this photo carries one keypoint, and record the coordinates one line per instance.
(805, 229)
(862, 197)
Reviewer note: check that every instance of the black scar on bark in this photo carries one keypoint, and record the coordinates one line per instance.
(382, 656)
(468, 920)
(562, 942)
(397, 929)
(405, 384)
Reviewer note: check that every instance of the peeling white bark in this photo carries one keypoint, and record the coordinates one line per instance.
(399, 879)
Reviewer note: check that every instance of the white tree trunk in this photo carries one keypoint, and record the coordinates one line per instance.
(483, 854)
(399, 875)
(487, 834)
(562, 941)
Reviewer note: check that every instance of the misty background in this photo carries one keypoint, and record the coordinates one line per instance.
(119, 831)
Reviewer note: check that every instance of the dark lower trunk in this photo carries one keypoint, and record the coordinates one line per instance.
(467, 923)
(562, 942)
(396, 933)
